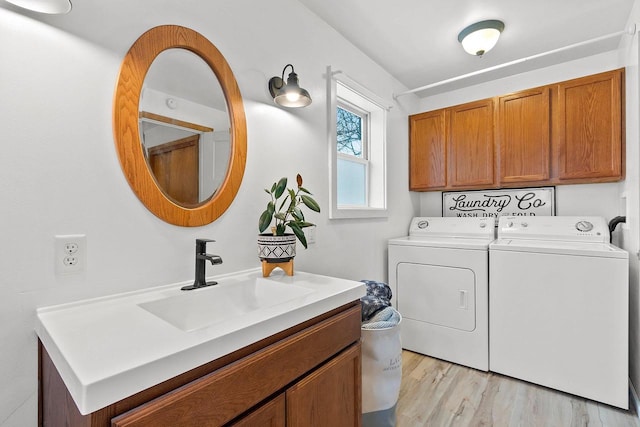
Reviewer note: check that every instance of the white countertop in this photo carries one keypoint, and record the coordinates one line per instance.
(109, 348)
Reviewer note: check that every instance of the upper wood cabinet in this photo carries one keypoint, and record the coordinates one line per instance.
(470, 146)
(427, 153)
(588, 129)
(524, 136)
(564, 133)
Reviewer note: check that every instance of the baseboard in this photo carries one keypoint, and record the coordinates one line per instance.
(634, 403)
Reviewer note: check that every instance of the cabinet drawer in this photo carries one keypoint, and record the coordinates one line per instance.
(228, 392)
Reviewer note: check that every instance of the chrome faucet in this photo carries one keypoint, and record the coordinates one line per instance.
(201, 257)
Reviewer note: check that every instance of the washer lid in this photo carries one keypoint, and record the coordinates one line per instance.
(602, 250)
(443, 242)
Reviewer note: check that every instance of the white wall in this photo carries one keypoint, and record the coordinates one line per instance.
(630, 237)
(607, 200)
(59, 172)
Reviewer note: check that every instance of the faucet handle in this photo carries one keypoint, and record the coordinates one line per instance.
(201, 245)
(204, 241)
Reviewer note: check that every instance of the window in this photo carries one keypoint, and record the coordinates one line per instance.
(357, 150)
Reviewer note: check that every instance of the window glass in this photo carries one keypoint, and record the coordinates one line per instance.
(349, 132)
(352, 182)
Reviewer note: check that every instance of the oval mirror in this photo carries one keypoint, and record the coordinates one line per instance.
(179, 126)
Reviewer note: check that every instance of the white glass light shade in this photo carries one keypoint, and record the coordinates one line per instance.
(44, 6)
(481, 37)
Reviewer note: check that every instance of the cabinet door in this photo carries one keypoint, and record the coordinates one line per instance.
(588, 136)
(470, 145)
(427, 155)
(330, 396)
(523, 134)
(271, 414)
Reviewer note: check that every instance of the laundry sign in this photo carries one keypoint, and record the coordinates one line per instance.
(495, 203)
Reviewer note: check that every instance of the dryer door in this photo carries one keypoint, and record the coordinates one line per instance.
(440, 295)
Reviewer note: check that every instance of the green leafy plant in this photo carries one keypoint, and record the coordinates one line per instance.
(288, 213)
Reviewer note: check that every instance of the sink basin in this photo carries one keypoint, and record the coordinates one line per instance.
(111, 347)
(204, 307)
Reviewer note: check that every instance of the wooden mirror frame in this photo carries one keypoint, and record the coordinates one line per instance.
(134, 68)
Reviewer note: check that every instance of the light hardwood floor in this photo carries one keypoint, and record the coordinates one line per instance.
(435, 393)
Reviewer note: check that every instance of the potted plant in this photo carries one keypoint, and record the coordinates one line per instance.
(280, 246)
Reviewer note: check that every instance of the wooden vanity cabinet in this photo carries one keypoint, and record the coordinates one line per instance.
(326, 397)
(308, 375)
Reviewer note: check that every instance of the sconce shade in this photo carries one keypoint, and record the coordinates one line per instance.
(291, 94)
(479, 38)
(53, 7)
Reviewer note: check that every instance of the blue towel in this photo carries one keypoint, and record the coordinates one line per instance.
(378, 297)
(386, 318)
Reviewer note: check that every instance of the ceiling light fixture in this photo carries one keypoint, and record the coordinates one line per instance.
(479, 38)
(53, 7)
(290, 94)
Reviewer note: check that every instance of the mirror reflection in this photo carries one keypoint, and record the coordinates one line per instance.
(184, 127)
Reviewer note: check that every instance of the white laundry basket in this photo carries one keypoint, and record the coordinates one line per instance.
(381, 374)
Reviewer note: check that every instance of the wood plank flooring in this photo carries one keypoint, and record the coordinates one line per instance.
(436, 393)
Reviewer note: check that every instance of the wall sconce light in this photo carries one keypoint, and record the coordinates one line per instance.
(290, 94)
(53, 7)
(479, 38)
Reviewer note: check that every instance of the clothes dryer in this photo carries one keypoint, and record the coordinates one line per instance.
(559, 299)
(439, 278)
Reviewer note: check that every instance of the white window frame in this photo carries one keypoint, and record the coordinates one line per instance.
(343, 91)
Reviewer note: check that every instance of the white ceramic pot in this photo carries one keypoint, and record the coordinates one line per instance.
(276, 248)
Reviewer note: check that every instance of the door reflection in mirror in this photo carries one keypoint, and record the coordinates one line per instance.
(184, 126)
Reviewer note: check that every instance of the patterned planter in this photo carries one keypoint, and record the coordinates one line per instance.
(276, 248)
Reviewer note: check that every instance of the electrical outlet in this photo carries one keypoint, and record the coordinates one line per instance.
(310, 234)
(70, 253)
(71, 247)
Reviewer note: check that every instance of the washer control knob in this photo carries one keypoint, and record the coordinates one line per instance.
(483, 224)
(423, 224)
(584, 226)
(510, 224)
(524, 224)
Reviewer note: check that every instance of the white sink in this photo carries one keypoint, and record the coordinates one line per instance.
(204, 307)
(111, 347)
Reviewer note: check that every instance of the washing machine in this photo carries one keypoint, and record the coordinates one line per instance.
(559, 306)
(439, 278)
